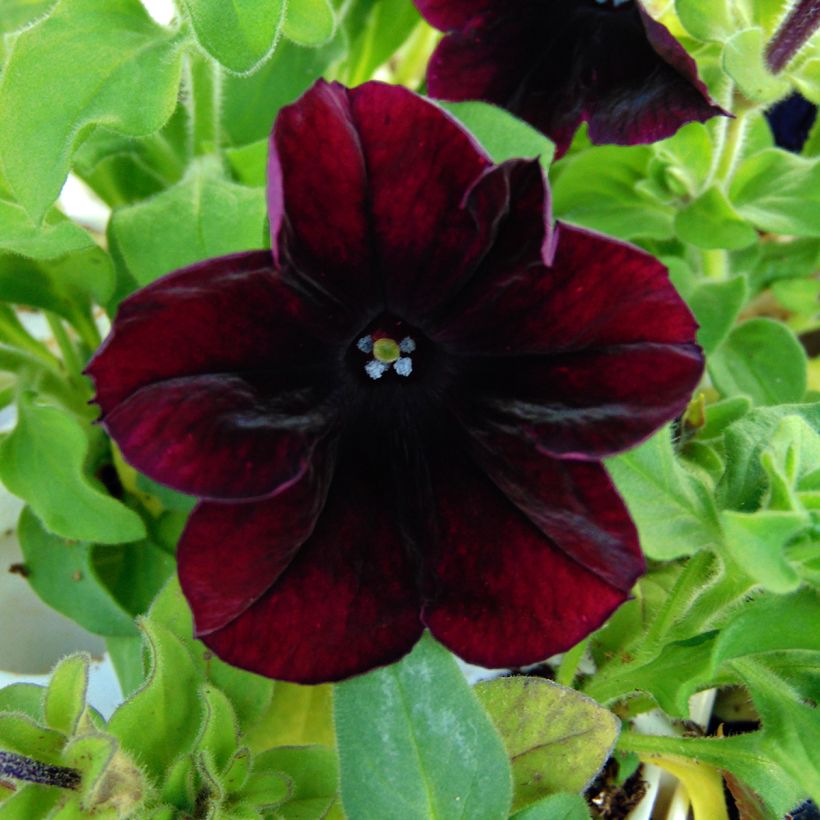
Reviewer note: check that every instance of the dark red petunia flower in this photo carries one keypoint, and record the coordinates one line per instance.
(395, 420)
(558, 63)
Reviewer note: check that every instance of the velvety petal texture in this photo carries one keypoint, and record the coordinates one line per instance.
(505, 594)
(558, 63)
(395, 419)
(348, 600)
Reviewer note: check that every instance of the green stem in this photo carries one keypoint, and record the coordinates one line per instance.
(14, 333)
(732, 148)
(712, 750)
(34, 372)
(83, 322)
(415, 55)
(204, 88)
(67, 349)
(568, 668)
(695, 576)
(715, 264)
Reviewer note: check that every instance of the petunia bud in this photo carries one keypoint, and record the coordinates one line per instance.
(795, 31)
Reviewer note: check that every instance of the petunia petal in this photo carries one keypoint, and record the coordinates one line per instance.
(452, 14)
(366, 192)
(588, 404)
(574, 503)
(219, 436)
(348, 601)
(585, 358)
(596, 292)
(560, 63)
(229, 555)
(223, 315)
(506, 594)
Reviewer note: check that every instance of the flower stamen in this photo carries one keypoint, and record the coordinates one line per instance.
(387, 352)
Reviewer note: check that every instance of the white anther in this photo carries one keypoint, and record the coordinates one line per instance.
(376, 369)
(407, 345)
(403, 366)
(365, 344)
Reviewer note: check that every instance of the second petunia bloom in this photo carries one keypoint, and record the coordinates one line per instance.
(558, 63)
(395, 418)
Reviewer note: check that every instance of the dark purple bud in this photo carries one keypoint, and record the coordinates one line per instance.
(19, 767)
(793, 34)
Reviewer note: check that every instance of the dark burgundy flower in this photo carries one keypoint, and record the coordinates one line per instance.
(395, 420)
(558, 63)
(791, 120)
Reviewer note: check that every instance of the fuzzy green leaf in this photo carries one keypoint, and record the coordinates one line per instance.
(557, 739)
(130, 70)
(779, 192)
(502, 135)
(241, 34)
(309, 22)
(421, 716)
(761, 359)
(674, 511)
(202, 217)
(160, 721)
(42, 461)
(65, 697)
(62, 574)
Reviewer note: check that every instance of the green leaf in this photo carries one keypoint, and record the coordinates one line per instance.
(203, 216)
(687, 158)
(779, 192)
(756, 542)
(240, 34)
(122, 170)
(265, 790)
(710, 221)
(26, 698)
(761, 359)
(133, 573)
(17, 14)
(250, 104)
(160, 721)
(557, 739)
(314, 775)
(297, 716)
(42, 462)
(743, 61)
(65, 697)
(706, 21)
(219, 733)
(129, 79)
(309, 22)
(745, 482)
(250, 162)
(112, 784)
(421, 716)
(716, 306)
(556, 807)
(673, 510)
(502, 135)
(62, 285)
(770, 623)
(19, 733)
(791, 727)
(597, 189)
(375, 30)
(250, 694)
(721, 414)
(62, 574)
(30, 801)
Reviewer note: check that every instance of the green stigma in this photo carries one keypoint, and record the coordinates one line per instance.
(386, 350)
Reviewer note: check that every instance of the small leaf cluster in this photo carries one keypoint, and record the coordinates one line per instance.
(177, 747)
